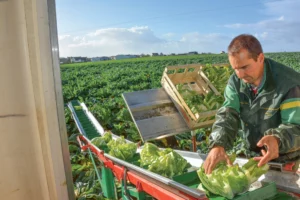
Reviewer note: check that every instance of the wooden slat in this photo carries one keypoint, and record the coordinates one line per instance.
(195, 87)
(209, 83)
(184, 67)
(183, 77)
(204, 124)
(172, 89)
(203, 85)
(221, 65)
(206, 114)
(180, 80)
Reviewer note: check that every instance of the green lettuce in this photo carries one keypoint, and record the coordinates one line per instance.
(149, 154)
(122, 150)
(228, 181)
(169, 164)
(252, 171)
(107, 137)
(100, 143)
(165, 162)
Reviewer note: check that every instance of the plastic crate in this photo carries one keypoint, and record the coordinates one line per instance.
(193, 77)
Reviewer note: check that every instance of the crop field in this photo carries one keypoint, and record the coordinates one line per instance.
(100, 85)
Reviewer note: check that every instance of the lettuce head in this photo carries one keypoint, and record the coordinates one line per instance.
(229, 181)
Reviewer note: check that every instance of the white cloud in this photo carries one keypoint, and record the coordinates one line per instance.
(137, 40)
(62, 37)
(78, 38)
(280, 31)
(168, 35)
(288, 8)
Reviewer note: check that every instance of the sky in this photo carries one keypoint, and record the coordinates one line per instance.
(95, 28)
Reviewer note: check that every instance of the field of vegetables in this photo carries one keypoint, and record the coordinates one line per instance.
(100, 85)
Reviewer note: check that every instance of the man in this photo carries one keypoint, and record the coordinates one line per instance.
(262, 98)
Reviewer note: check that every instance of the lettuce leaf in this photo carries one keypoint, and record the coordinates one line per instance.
(149, 154)
(122, 150)
(100, 143)
(229, 181)
(165, 162)
(169, 164)
(107, 137)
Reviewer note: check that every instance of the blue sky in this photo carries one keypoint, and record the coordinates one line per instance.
(106, 28)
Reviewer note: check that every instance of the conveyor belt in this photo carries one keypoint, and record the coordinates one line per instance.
(87, 129)
(82, 120)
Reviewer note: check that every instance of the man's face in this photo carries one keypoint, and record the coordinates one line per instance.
(246, 68)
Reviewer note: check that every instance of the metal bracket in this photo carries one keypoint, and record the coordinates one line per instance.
(125, 183)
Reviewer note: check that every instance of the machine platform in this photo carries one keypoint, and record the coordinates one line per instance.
(154, 114)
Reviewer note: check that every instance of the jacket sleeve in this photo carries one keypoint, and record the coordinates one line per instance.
(289, 131)
(227, 122)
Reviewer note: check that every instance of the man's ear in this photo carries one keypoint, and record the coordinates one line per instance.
(261, 57)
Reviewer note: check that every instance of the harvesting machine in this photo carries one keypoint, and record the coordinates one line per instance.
(158, 113)
(34, 147)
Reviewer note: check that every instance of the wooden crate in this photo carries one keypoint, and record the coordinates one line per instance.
(193, 77)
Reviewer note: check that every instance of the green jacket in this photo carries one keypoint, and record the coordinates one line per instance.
(274, 111)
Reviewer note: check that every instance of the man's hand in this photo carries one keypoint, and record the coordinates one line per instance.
(215, 155)
(271, 152)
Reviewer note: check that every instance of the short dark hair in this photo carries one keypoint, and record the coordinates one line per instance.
(245, 41)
